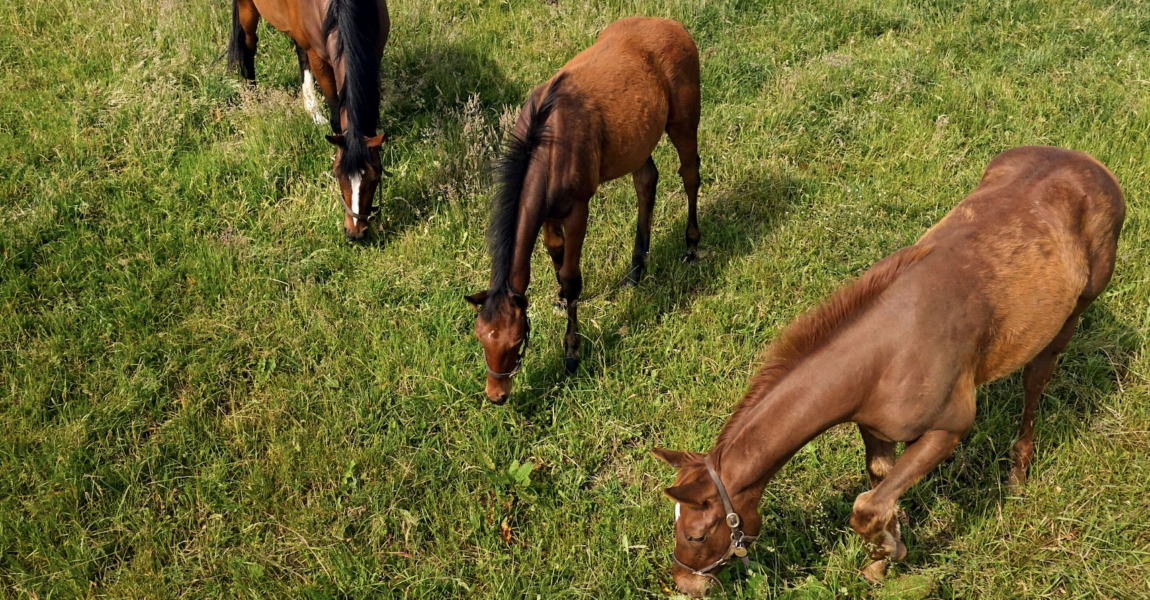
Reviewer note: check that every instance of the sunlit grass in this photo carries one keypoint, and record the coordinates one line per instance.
(208, 393)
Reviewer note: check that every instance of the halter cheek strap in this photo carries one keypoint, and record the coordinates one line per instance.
(739, 540)
(353, 214)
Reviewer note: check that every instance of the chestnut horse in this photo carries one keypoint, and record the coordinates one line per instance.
(339, 42)
(597, 119)
(997, 284)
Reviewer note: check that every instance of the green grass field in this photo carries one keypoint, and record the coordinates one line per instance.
(205, 392)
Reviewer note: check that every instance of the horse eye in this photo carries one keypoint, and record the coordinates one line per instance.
(697, 539)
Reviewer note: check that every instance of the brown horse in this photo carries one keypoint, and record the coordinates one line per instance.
(597, 119)
(339, 42)
(997, 284)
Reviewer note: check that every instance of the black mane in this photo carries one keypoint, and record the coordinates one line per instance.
(511, 171)
(356, 25)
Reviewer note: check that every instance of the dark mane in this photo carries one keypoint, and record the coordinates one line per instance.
(511, 173)
(810, 331)
(355, 24)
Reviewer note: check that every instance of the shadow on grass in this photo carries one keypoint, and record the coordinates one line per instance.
(731, 224)
(425, 88)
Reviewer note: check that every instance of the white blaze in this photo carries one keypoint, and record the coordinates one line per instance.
(356, 182)
(309, 100)
(676, 512)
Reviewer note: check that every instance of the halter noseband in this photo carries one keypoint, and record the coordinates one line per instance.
(518, 360)
(351, 213)
(739, 540)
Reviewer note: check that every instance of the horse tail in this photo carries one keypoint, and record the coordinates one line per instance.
(355, 24)
(511, 176)
(236, 46)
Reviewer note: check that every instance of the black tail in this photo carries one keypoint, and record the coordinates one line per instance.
(356, 24)
(511, 173)
(237, 50)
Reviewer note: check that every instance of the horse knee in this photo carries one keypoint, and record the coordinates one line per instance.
(878, 526)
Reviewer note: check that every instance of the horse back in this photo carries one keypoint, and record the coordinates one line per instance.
(1038, 235)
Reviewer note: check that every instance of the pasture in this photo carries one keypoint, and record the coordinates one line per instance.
(206, 392)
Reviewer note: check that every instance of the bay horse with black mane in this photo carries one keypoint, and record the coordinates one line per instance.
(599, 118)
(997, 284)
(339, 42)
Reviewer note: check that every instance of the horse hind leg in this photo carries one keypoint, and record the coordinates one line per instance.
(1034, 379)
(243, 43)
(646, 180)
(307, 91)
(685, 136)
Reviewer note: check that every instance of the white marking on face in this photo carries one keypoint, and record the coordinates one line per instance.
(677, 509)
(356, 180)
(309, 100)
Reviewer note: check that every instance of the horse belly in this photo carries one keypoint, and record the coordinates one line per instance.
(1029, 312)
(276, 13)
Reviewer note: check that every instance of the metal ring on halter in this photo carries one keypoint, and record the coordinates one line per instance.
(739, 540)
(518, 360)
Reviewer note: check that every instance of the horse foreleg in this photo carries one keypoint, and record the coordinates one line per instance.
(325, 77)
(875, 515)
(307, 89)
(553, 241)
(571, 280)
(646, 180)
(879, 456)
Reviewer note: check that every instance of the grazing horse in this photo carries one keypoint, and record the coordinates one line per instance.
(997, 284)
(339, 42)
(597, 119)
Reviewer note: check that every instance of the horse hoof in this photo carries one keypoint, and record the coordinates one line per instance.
(571, 364)
(899, 552)
(691, 257)
(631, 280)
(875, 572)
(1017, 482)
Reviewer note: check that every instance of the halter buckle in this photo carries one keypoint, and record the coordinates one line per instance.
(732, 520)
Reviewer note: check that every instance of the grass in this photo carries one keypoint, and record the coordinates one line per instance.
(207, 393)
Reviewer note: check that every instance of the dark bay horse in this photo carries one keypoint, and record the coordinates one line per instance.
(339, 42)
(597, 119)
(997, 284)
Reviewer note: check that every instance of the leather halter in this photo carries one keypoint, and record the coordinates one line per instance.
(351, 213)
(365, 218)
(518, 360)
(739, 540)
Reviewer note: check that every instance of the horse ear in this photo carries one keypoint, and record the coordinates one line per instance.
(675, 458)
(693, 494)
(477, 299)
(377, 141)
(336, 139)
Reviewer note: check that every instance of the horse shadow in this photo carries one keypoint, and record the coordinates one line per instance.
(972, 482)
(432, 137)
(733, 221)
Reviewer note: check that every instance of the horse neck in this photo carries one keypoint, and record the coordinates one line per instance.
(532, 207)
(799, 407)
